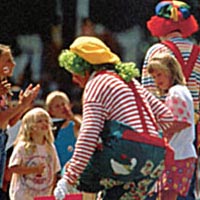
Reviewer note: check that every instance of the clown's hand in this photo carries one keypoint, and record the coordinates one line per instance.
(61, 189)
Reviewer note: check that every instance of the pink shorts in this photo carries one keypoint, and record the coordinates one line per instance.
(178, 176)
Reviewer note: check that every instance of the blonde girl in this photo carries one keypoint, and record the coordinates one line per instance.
(59, 106)
(169, 69)
(34, 161)
(169, 79)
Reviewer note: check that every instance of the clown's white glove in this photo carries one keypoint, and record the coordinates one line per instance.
(61, 189)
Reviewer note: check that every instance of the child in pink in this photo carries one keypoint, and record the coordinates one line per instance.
(34, 161)
(169, 79)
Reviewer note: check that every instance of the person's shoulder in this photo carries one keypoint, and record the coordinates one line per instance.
(105, 81)
(181, 92)
(105, 77)
(181, 40)
(157, 47)
(179, 89)
(176, 87)
(53, 146)
(20, 145)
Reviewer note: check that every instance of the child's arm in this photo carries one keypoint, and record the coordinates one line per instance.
(55, 180)
(13, 114)
(182, 111)
(22, 170)
(77, 120)
(176, 127)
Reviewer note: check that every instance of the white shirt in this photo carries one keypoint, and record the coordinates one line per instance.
(180, 101)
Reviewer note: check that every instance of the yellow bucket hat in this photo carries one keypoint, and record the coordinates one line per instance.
(88, 53)
(93, 50)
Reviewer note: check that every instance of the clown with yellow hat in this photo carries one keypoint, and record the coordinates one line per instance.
(113, 102)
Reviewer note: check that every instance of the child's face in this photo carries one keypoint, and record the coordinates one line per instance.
(60, 108)
(42, 125)
(7, 64)
(162, 79)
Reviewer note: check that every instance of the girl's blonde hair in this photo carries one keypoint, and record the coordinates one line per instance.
(169, 65)
(51, 96)
(26, 128)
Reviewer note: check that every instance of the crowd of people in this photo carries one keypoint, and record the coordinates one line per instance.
(130, 139)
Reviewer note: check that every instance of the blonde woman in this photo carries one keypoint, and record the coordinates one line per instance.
(34, 161)
(167, 74)
(9, 114)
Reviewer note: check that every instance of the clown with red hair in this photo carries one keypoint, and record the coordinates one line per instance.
(173, 24)
(172, 16)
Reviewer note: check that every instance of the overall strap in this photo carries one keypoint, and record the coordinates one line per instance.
(139, 101)
(186, 66)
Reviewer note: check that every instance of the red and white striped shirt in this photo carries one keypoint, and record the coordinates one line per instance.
(107, 97)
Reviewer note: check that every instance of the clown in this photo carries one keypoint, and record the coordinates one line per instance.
(108, 102)
(173, 24)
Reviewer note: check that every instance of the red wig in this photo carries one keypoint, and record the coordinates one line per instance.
(164, 23)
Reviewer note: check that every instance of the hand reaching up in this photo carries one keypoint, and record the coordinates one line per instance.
(28, 96)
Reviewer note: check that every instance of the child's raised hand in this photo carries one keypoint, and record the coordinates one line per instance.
(69, 111)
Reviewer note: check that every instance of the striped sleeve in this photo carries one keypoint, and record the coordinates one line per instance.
(93, 120)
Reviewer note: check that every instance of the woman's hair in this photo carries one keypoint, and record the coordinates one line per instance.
(26, 128)
(52, 95)
(4, 48)
(169, 65)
